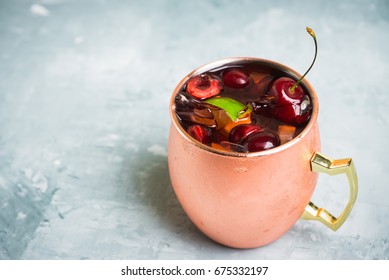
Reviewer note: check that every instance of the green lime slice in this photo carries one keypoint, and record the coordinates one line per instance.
(234, 108)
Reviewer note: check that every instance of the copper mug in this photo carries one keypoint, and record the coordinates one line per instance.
(247, 200)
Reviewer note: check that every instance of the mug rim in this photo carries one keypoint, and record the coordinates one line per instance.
(273, 64)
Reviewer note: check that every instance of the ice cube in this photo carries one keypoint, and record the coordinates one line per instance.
(260, 88)
(211, 123)
(286, 133)
(192, 118)
(233, 147)
(184, 101)
(203, 112)
(221, 118)
(257, 77)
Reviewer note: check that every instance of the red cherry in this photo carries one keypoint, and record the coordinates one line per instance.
(235, 78)
(240, 132)
(203, 86)
(291, 107)
(261, 141)
(200, 133)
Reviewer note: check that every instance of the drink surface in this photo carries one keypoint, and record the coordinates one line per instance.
(242, 107)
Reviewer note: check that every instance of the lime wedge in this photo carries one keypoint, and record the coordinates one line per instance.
(234, 108)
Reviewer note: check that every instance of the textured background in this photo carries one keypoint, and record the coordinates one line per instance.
(84, 93)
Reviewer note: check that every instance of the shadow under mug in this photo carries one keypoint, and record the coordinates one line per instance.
(247, 200)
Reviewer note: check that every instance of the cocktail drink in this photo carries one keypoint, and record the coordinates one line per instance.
(239, 108)
(244, 151)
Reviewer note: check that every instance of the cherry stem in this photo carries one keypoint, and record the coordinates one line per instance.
(310, 31)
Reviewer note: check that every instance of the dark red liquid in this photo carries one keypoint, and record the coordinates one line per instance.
(249, 84)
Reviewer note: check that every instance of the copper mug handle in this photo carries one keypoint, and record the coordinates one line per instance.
(321, 163)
